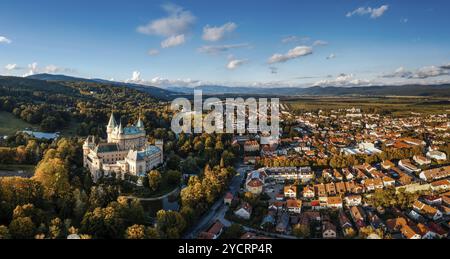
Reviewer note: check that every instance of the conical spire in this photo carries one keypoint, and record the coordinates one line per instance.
(140, 123)
(112, 121)
(120, 128)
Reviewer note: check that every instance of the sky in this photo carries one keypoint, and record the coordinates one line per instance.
(262, 43)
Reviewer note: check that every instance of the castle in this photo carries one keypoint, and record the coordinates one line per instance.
(126, 151)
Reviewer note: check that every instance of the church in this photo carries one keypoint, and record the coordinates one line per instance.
(126, 151)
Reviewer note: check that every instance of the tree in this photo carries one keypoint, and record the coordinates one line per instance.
(301, 230)
(170, 224)
(53, 175)
(22, 228)
(235, 231)
(173, 177)
(56, 229)
(4, 233)
(154, 179)
(135, 232)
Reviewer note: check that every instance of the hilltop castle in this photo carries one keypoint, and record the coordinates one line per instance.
(125, 152)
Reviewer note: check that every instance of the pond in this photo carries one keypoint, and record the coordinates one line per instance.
(168, 203)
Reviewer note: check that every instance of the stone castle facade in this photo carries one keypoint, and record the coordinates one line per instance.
(126, 151)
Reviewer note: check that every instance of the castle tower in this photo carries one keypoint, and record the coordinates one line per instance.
(111, 126)
(140, 124)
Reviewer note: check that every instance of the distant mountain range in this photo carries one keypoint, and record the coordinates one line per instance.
(395, 90)
(442, 90)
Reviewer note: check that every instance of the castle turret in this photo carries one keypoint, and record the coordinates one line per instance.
(140, 124)
(120, 129)
(112, 124)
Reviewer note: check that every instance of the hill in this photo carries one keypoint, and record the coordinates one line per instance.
(151, 90)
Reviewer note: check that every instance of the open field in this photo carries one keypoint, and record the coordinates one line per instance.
(396, 105)
(9, 124)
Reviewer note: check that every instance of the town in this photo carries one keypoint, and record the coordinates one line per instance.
(379, 183)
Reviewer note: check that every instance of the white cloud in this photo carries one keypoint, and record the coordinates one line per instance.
(218, 33)
(294, 53)
(294, 38)
(153, 52)
(11, 67)
(373, 12)
(331, 56)
(235, 63)
(173, 41)
(404, 20)
(178, 21)
(320, 43)
(32, 69)
(421, 73)
(215, 49)
(343, 80)
(164, 82)
(4, 40)
(135, 78)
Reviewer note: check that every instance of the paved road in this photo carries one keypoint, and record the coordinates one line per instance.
(218, 209)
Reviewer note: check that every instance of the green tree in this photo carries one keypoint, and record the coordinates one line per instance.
(22, 228)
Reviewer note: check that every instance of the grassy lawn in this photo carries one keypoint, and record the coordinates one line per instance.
(9, 124)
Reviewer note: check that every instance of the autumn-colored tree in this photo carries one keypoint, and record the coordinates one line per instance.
(154, 179)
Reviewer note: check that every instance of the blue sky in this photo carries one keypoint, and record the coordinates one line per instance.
(237, 43)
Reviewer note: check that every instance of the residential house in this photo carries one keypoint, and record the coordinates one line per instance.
(228, 198)
(353, 200)
(348, 174)
(387, 165)
(436, 155)
(409, 232)
(406, 165)
(427, 210)
(308, 192)
(340, 188)
(396, 224)
(320, 190)
(328, 230)
(331, 189)
(346, 225)
(421, 160)
(358, 215)
(212, 232)
(244, 211)
(334, 202)
(255, 182)
(388, 181)
(440, 185)
(373, 184)
(435, 174)
(294, 206)
(290, 191)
